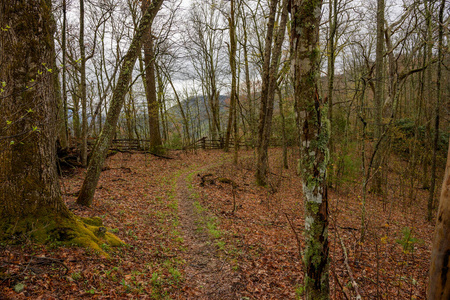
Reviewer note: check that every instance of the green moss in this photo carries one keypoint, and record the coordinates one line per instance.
(94, 221)
(313, 207)
(51, 229)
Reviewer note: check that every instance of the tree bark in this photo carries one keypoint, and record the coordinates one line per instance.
(251, 117)
(313, 125)
(232, 114)
(261, 163)
(439, 281)
(104, 140)
(436, 111)
(83, 93)
(150, 89)
(270, 72)
(332, 6)
(30, 197)
(378, 98)
(64, 71)
(29, 183)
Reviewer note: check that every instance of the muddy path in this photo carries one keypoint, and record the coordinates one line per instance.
(208, 275)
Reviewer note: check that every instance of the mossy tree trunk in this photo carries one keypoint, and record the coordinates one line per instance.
(30, 197)
(28, 179)
(104, 140)
(439, 281)
(313, 125)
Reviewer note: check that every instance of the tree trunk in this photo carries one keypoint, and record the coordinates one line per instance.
(30, 197)
(233, 47)
(83, 94)
(436, 112)
(439, 281)
(161, 103)
(313, 125)
(332, 6)
(150, 90)
(251, 117)
(269, 81)
(283, 129)
(378, 99)
(64, 71)
(61, 123)
(261, 163)
(430, 94)
(29, 182)
(104, 140)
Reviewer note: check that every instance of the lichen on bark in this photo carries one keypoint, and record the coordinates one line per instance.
(313, 126)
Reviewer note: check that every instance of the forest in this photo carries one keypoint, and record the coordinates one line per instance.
(225, 149)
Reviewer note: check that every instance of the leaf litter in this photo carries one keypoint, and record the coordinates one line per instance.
(191, 236)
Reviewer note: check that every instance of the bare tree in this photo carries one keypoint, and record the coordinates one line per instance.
(104, 141)
(269, 85)
(313, 126)
(150, 89)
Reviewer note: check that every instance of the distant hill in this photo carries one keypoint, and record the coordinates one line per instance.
(194, 107)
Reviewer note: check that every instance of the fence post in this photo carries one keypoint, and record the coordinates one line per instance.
(203, 141)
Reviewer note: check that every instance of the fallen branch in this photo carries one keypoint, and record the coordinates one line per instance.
(340, 285)
(299, 244)
(35, 265)
(349, 270)
(204, 179)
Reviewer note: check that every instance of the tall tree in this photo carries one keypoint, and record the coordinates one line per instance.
(150, 88)
(104, 140)
(332, 20)
(232, 113)
(262, 161)
(64, 71)
(30, 197)
(83, 93)
(269, 85)
(313, 126)
(379, 91)
(28, 167)
(436, 110)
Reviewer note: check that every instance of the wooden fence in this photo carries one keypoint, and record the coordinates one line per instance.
(126, 144)
(205, 143)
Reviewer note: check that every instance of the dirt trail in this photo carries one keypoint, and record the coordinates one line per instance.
(207, 275)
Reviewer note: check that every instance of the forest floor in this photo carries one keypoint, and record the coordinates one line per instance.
(197, 227)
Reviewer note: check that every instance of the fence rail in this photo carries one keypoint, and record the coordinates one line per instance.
(203, 143)
(126, 144)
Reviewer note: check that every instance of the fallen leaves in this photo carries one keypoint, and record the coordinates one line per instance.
(136, 200)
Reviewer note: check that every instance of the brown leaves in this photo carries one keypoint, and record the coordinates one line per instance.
(136, 200)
